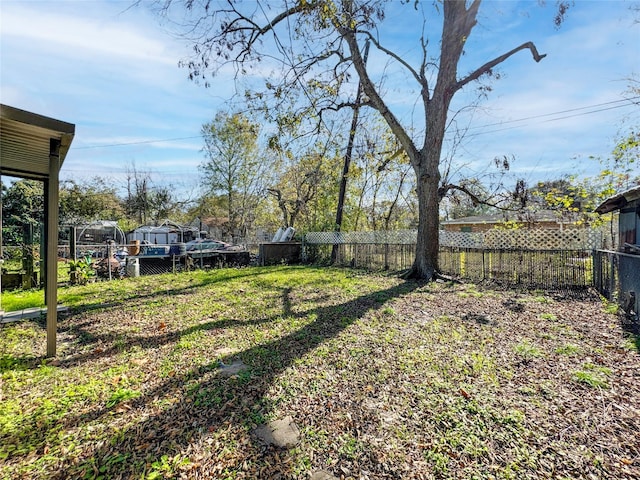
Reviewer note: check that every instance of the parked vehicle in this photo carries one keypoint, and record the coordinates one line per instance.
(206, 245)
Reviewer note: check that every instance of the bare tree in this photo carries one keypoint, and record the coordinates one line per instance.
(138, 186)
(315, 46)
(146, 202)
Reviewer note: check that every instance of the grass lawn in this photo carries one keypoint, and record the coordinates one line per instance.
(385, 379)
(21, 299)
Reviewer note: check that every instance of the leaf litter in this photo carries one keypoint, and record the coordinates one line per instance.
(383, 379)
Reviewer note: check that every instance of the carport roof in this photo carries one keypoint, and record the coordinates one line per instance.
(25, 142)
(34, 146)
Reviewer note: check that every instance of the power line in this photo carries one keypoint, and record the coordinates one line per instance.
(140, 142)
(627, 102)
(546, 121)
(610, 106)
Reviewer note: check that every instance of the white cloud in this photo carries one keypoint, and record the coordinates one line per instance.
(104, 36)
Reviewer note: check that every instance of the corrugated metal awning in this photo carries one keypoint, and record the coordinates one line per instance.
(619, 201)
(25, 142)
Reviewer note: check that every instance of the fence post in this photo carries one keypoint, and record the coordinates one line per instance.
(27, 256)
(463, 262)
(612, 273)
(109, 254)
(72, 243)
(386, 256)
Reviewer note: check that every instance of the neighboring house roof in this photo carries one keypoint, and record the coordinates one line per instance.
(215, 221)
(538, 216)
(619, 200)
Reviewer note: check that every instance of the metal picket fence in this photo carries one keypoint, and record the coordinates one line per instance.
(616, 276)
(527, 258)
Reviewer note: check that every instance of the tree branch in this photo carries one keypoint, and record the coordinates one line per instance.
(444, 189)
(375, 100)
(419, 78)
(486, 68)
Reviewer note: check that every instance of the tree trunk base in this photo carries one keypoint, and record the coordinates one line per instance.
(434, 275)
(415, 274)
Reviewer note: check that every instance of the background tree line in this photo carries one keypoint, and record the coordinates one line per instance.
(250, 179)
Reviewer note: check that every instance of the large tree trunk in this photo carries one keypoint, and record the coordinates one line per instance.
(458, 22)
(425, 265)
(426, 167)
(426, 164)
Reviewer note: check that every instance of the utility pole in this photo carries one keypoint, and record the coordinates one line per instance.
(347, 159)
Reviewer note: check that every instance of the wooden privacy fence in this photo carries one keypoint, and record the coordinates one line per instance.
(528, 258)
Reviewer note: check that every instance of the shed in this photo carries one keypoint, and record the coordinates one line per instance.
(627, 259)
(34, 146)
(628, 203)
(166, 233)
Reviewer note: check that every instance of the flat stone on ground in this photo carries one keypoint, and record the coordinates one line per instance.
(233, 369)
(280, 433)
(323, 475)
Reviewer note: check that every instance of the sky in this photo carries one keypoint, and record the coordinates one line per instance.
(113, 71)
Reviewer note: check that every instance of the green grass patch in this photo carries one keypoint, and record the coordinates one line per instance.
(13, 300)
(593, 375)
(527, 350)
(121, 395)
(611, 307)
(569, 349)
(632, 343)
(542, 299)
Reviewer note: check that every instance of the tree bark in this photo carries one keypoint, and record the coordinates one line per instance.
(425, 265)
(458, 22)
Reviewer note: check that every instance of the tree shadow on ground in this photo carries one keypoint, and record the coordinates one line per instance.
(195, 406)
(104, 344)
